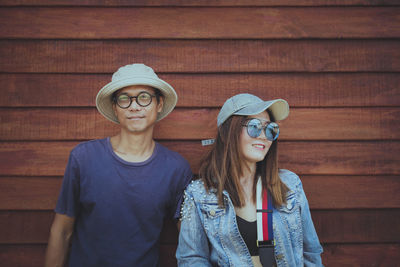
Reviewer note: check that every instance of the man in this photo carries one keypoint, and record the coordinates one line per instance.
(117, 191)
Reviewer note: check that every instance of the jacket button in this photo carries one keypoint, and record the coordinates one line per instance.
(212, 212)
(279, 256)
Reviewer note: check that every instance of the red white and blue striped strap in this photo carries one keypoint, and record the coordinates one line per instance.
(265, 234)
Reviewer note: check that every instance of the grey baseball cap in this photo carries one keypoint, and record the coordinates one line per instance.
(248, 104)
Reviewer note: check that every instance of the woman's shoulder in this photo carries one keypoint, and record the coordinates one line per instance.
(290, 178)
(198, 191)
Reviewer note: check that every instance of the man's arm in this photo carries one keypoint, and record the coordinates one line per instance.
(59, 241)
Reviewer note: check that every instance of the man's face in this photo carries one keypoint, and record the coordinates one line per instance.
(136, 118)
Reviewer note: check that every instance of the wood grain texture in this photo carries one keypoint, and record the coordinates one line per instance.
(189, 23)
(317, 157)
(337, 62)
(25, 227)
(200, 56)
(334, 255)
(199, 3)
(211, 90)
(190, 124)
(352, 192)
(336, 226)
(31, 255)
(361, 255)
(323, 192)
(167, 255)
(362, 226)
(29, 193)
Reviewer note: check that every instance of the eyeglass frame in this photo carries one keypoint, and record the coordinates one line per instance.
(263, 129)
(115, 99)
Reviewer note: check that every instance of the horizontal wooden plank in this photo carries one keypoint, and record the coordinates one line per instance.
(25, 227)
(319, 158)
(361, 255)
(167, 255)
(199, 56)
(199, 90)
(323, 192)
(29, 193)
(22, 255)
(189, 124)
(350, 192)
(201, 3)
(33, 255)
(334, 255)
(189, 23)
(41, 220)
(356, 226)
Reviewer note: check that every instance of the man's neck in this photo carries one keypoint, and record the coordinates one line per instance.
(133, 147)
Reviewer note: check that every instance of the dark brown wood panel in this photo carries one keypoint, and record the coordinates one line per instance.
(169, 234)
(33, 255)
(349, 192)
(188, 124)
(25, 227)
(29, 193)
(361, 255)
(167, 255)
(22, 255)
(211, 90)
(319, 157)
(334, 255)
(73, 56)
(355, 158)
(190, 23)
(323, 192)
(198, 3)
(357, 225)
(336, 226)
(337, 63)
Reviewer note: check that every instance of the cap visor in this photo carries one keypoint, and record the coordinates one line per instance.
(278, 107)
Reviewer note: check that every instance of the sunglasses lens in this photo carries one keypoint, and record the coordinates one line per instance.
(272, 131)
(254, 128)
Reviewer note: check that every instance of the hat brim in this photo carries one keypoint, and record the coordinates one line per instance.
(278, 107)
(105, 106)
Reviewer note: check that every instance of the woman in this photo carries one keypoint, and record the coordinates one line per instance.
(219, 215)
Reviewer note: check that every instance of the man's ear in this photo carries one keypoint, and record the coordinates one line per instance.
(160, 104)
(114, 107)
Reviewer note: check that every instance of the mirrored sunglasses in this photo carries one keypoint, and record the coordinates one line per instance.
(255, 126)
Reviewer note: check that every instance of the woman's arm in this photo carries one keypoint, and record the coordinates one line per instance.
(312, 249)
(193, 248)
(60, 237)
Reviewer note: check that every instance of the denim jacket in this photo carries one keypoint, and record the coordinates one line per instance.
(209, 234)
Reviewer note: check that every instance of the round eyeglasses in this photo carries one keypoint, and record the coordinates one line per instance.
(255, 126)
(143, 99)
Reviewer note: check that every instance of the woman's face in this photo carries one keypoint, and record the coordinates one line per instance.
(255, 149)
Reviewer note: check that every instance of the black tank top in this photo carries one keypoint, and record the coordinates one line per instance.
(248, 231)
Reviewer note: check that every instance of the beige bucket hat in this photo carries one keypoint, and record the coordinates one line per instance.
(134, 74)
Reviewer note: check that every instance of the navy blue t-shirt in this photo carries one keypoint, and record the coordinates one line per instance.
(120, 206)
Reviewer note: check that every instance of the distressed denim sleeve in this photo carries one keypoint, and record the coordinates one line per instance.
(312, 249)
(193, 249)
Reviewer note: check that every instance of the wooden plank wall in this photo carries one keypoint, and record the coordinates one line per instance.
(337, 63)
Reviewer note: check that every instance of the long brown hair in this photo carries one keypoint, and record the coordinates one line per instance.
(221, 168)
